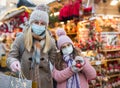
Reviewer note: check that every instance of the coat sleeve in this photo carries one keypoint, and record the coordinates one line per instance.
(53, 51)
(62, 75)
(14, 53)
(89, 70)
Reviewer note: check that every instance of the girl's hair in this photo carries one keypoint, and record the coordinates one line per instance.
(59, 62)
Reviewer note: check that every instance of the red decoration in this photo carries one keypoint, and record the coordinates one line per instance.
(78, 65)
(61, 14)
(76, 9)
(4, 27)
(24, 17)
(80, 1)
(70, 10)
(87, 11)
(66, 11)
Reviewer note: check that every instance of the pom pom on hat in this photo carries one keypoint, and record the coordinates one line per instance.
(40, 14)
(42, 7)
(60, 32)
(62, 38)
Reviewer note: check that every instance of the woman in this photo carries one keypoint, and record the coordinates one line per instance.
(34, 51)
(71, 70)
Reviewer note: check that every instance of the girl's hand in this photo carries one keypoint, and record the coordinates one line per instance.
(80, 62)
(77, 64)
(74, 68)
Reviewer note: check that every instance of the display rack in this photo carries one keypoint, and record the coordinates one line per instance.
(107, 78)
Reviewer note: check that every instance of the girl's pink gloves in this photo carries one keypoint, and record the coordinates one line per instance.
(15, 66)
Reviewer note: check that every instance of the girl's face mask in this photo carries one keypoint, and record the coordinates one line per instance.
(38, 29)
(68, 49)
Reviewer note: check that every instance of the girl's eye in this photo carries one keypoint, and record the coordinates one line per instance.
(68, 44)
(63, 47)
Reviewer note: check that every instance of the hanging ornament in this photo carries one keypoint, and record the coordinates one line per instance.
(104, 1)
(24, 17)
(96, 1)
(87, 9)
(4, 27)
(10, 29)
(58, 0)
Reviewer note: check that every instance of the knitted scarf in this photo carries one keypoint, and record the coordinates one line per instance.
(73, 81)
(38, 46)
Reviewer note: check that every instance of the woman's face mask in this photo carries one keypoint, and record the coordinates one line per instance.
(38, 29)
(68, 49)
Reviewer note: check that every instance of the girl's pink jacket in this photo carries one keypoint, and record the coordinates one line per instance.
(85, 75)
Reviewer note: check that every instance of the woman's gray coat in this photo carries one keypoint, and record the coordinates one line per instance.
(18, 52)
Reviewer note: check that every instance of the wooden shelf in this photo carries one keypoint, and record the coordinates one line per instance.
(113, 59)
(114, 75)
(71, 34)
(102, 61)
(112, 50)
(96, 62)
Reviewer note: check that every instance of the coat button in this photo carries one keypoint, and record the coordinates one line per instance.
(30, 59)
(42, 59)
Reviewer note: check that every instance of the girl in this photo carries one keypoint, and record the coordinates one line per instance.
(71, 70)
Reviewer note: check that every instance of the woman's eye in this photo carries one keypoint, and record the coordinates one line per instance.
(36, 22)
(42, 24)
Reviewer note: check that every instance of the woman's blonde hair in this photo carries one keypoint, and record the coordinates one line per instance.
(28, 40)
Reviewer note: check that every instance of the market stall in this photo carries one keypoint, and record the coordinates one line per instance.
(95, 33)
(98, 37)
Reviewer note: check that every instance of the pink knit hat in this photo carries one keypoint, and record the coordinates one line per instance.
(62, 37)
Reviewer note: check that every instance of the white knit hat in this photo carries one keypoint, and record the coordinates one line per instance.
(40, 14)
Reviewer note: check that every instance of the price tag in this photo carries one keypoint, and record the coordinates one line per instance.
(98, 62)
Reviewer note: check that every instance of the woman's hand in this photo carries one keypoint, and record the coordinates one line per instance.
(15, 66)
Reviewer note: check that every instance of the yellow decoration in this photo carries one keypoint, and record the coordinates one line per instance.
(3, 61)
(98, 29)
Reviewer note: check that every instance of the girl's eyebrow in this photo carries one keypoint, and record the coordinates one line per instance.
(65, 45)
